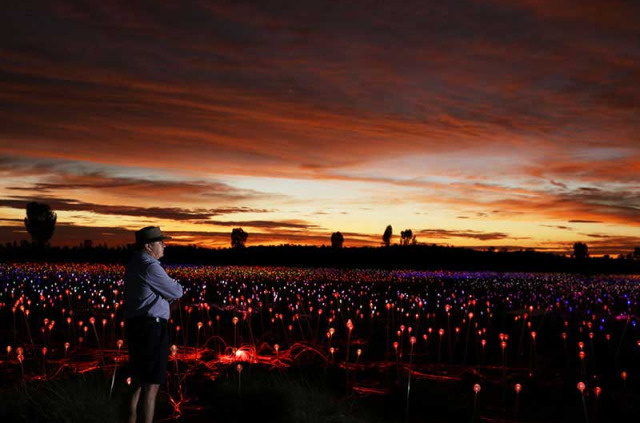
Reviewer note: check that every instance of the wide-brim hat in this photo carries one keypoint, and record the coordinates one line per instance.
(150, 234)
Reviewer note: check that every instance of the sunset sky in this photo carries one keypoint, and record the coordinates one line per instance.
(505, 123)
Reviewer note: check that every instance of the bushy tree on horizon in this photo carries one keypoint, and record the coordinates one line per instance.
(386, 237)
(580, 251)
(406, 237)
(337, 240)
(238, 238)
(40, 223)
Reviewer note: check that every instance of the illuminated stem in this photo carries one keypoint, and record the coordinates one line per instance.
(99, 345)
(26, 321)
(584, 408)
(406, 411)
(113, 378)
(175, 359)
(466, 343)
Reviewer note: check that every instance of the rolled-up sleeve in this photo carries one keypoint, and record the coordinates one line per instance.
(162, 284)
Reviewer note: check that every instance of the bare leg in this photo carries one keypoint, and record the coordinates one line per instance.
(133, 406)
(149, 401)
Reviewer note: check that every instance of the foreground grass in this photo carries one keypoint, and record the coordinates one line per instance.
(312, 395)
(70, 398)
(269, 396)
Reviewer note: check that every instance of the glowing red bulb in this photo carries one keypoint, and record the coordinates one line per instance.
(581, 387)
(518, 388)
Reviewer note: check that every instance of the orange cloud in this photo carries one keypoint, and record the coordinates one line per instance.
(518, 111)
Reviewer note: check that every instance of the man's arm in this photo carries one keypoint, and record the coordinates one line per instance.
(161, 283)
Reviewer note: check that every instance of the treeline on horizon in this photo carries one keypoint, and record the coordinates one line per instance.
(422, 257)
(40, 222)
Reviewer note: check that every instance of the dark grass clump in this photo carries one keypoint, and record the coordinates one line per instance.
(272, 395)
(67, 399)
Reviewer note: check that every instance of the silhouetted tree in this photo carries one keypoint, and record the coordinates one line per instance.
(238, 238)
(406, 237)
(580, 250)
(337, 240)
(40, 223)
(386, 237)
(636, 253)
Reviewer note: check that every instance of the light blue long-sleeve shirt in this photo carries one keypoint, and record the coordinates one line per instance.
(148, 288)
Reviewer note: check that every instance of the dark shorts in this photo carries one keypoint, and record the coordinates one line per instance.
(148, 341)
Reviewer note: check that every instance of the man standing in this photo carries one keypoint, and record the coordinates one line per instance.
(147, 293)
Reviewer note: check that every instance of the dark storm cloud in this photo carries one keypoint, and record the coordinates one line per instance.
(264, 224)
(72, 235)
(205, 66)
(178, 214)
(610, 244)
(562, 227)
(62, 176)
(444, 233)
